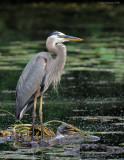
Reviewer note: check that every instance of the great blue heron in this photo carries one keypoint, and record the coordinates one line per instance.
(40, 72)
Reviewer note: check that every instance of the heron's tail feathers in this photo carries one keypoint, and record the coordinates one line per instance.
(20, 114)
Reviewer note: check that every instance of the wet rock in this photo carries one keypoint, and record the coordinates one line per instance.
(60, 140)
(1, 142)
(94, 149)
(25, 144)
(66, 140)
(44, 143)
(75, 149)
(92, 138)
(32, 144)
(58, 135)
(115, 149)
(100, 148)
(67, 129)
(73, 139)
(9, 137)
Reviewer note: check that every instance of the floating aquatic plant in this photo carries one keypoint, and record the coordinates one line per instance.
(21, 129)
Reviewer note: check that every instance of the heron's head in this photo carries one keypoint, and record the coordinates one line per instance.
(59, 37)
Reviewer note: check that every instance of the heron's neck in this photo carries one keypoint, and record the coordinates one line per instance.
(59, 62)
(58, 49)
(61, 55)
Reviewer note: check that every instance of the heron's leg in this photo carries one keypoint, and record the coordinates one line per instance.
(34, 111)
(41, 116)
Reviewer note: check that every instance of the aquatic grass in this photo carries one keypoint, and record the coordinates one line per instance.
(24, 129)
(1, 110)
(72, 127)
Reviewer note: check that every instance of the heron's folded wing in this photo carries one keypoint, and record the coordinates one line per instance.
(30, 81)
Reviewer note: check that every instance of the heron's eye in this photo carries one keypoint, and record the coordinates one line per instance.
(60, 36)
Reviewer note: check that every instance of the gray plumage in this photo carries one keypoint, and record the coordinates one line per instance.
(41, 71)
(29, 82)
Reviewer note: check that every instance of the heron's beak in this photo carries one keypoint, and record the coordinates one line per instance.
(71, 38)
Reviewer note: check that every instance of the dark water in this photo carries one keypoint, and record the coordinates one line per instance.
(91, 93)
